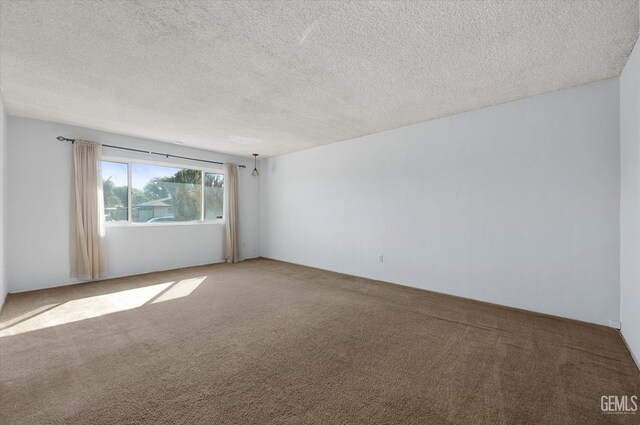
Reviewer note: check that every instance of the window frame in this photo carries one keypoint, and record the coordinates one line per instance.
(129, 223)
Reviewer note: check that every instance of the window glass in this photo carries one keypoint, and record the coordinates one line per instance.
(115, 191)
(213, 195)
(165, 194)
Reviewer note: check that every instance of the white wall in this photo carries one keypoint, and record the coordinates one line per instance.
(516, 204)
(38, 202)
(3, 162)
(630, 202)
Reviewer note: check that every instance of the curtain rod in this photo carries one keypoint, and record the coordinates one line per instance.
(167, 155)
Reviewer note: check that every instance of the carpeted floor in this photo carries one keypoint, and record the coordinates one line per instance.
(265, 342)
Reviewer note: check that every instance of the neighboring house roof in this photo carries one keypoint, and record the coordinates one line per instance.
(156, 203)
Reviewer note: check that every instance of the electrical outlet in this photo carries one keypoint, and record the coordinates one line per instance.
(380, 258)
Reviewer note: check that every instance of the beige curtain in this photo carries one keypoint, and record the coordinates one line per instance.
(230, 212)
(87, 219)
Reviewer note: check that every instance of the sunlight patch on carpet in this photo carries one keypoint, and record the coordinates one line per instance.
(96, 306)
(181, 289)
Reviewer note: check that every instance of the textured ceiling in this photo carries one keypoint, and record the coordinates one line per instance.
(275, 77)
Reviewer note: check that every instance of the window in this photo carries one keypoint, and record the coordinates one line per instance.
(165, 194)
(213, 195)
(146, 193)
(115, 190)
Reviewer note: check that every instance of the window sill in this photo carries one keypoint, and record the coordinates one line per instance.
(166, 224)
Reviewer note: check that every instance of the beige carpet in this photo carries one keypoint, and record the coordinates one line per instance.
(264, 342)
